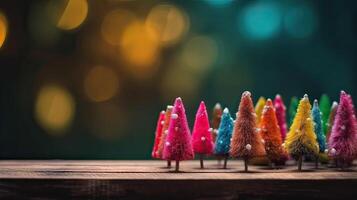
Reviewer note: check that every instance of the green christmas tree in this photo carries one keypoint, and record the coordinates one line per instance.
(294, 102)
(325, 107)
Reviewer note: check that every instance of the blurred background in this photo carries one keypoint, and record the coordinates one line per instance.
(86, 79)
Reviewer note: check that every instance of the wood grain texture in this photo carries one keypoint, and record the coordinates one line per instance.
(57, 179)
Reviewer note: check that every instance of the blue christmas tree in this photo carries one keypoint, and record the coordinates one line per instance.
(223, 139)
(317, 118)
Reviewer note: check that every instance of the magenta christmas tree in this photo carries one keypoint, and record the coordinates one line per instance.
(201, 135)
(178, 141)
(158, 133)
(280, 111)
(343, 139)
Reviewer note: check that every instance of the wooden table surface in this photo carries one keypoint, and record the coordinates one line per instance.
(59, 179)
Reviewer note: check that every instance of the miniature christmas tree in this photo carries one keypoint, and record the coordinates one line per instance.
(343, 139)
(270, 131)
(178, 145)
(201, 135)
(318, 127)
(224, 136)
(216, 120)
(259, 108)
(160, 124)
(301, 139)
(294, 102)
(331, 119)
(280, 111)
(164, 133)
(325, 106)
(246, 143)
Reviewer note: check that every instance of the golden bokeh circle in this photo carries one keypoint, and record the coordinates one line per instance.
(74, 14)
(114, 23)
(101, 84)
(3, 28)
(170, 22)
(54, 109)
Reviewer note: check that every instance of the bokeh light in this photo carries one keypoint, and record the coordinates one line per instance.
(170, 22)
(101, 84)
(199, 53)
(300, 21)
(114, 24)
(54, 109)
(261, 20)
(3, 28)
(140, 48)
(219, 2)
(73, 15)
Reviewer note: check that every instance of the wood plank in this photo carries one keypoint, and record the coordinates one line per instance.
(30, 179)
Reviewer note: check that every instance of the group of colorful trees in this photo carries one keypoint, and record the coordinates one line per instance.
(316, 132)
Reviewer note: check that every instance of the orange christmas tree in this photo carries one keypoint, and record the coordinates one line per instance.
(164, 132)
(270, 131)
(246, 143)
(216, 120)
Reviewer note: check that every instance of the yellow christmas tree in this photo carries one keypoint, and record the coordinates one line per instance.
(259, 108)
(301, 139)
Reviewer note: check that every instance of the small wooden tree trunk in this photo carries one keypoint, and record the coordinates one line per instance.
(245, 165)
(225, 162)
(169, 164)
(177, 167)
(201, 161)
(300, 163)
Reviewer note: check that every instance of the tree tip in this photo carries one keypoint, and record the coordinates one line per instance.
(162, 112)
(306, 96)
(169, 107)
(277, 96)
(247, 93)
(217, 106)
(334, 104)
(316, 103)
(226, 110)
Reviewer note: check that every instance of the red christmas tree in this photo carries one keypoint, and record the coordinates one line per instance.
(178, 145)
(270, 131)
(246, 143)
(201, 134)
(164, 133)
(160, 124)
(280, 111)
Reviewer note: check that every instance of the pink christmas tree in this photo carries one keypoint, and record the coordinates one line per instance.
(280, 111)
(343, 139)
(159, 126)
(178, 145)
(201, 134)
